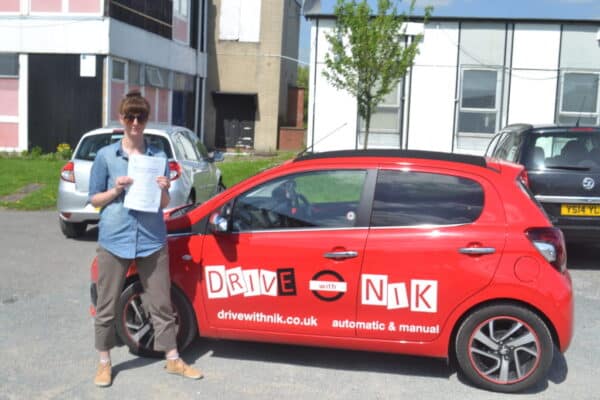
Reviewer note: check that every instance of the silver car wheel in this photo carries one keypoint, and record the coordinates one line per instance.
(504, 350)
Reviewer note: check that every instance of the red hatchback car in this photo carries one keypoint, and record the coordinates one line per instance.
(412, 252)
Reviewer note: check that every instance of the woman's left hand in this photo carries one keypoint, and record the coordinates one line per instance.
(163, 182)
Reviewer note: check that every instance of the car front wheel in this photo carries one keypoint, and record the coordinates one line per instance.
(504, 347)
(134, 325)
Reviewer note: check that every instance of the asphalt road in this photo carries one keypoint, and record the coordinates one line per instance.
(46, 342)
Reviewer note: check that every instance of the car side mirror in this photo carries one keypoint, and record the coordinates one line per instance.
(218, 223)
(216, 156)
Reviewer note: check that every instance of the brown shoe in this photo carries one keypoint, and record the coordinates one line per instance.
(103, 375)
(181, 368)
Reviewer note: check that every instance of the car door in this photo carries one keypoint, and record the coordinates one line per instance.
(434, 241)
(210, 171)
(195, 167)
(291, 260)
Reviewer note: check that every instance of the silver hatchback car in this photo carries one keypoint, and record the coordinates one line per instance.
(194, 176)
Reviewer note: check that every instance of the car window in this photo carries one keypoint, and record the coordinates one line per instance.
(418, 198)
(492, 145)
(202, 150)
(327, 199)
(509, 147)
(89, 146)
(159, 142)
(187, 148)
(567, 149)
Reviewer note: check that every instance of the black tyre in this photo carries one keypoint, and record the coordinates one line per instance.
(134, 325)
(72, 229)
(505, 348)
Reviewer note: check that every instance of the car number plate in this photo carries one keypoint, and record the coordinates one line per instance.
(580, 210)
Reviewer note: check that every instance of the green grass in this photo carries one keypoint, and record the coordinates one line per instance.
(238, 168)
(16, 173)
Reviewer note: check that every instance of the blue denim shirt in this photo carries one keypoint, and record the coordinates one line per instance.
(125, 233)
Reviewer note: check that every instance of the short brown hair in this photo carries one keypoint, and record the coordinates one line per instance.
(134, 102)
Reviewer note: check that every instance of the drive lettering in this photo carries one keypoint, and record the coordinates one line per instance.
(222, 282)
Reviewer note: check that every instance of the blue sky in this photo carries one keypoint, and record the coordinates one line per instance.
(544, 9)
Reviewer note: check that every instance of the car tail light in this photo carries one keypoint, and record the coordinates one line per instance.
(174, 170)
(67, 172)
(524, 178)
(550, 242)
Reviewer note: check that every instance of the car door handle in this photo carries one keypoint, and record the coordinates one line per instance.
(476, 250)
(340, 255)
(186, 257)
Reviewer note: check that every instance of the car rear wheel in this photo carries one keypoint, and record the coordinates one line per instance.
(505, 348)
(72, 229)
(134, 325)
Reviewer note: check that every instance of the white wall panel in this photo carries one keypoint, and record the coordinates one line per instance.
(229, 20)
(532, 97)
(133, 43)
(250, 21)
(536, 46)
(335, 117)
(334, 110)
(80, 35)
(433, 89)
(534, 73)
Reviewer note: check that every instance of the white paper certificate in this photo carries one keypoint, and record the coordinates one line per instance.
(144, 192)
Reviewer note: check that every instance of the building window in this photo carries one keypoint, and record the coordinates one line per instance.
(180, 7)
(579, 98)
(135, 74)
(183, 83)
(157, 77)
(385, 127)
(150, 15)
(240, 20)
(9, 64)
(118, 70)
(479, 100)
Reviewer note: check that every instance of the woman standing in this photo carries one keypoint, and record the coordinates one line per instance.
(126, 235)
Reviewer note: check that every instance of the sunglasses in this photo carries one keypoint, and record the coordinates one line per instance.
(140, 117)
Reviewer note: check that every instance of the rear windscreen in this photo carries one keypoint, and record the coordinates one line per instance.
(565, 149)
(90, 146)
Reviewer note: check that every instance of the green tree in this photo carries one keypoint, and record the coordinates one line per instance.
(369, 53)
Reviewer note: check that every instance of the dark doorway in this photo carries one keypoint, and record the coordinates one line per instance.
(183, 109)
(236, 114)
(62, 104)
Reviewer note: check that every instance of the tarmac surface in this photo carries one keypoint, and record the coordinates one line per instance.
(47, 352)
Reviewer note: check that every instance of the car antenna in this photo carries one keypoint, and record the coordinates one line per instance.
(303, 152)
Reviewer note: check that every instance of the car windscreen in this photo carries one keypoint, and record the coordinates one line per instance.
(90, 145)
(577, 150)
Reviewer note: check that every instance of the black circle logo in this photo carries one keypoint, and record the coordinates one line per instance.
(329, 296)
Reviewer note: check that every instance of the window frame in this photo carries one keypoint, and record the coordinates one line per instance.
(473, 110)
(234, 205)
(125, 77)
(397, 131)
(428, 182)
(574, 114)
(14, 71)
